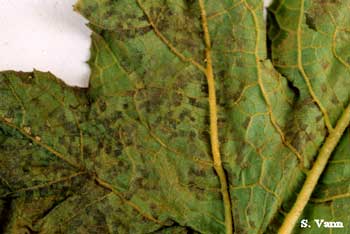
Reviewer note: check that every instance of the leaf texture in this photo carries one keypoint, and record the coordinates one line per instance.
(133, 153)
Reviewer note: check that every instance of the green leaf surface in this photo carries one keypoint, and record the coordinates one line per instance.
(197, 120)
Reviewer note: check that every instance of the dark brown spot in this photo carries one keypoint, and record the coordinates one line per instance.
(108, 149)
(334, 100)
(117, 152)
(102, 105)
(246, 123)
(310, 22)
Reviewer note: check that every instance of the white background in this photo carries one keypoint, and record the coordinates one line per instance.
(46, 35)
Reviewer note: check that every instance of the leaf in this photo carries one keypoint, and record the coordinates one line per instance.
(193, 122)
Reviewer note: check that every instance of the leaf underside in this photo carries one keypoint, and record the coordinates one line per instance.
(132, 153)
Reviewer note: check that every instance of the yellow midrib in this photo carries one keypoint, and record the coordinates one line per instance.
(214, 138)
(324, 153)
